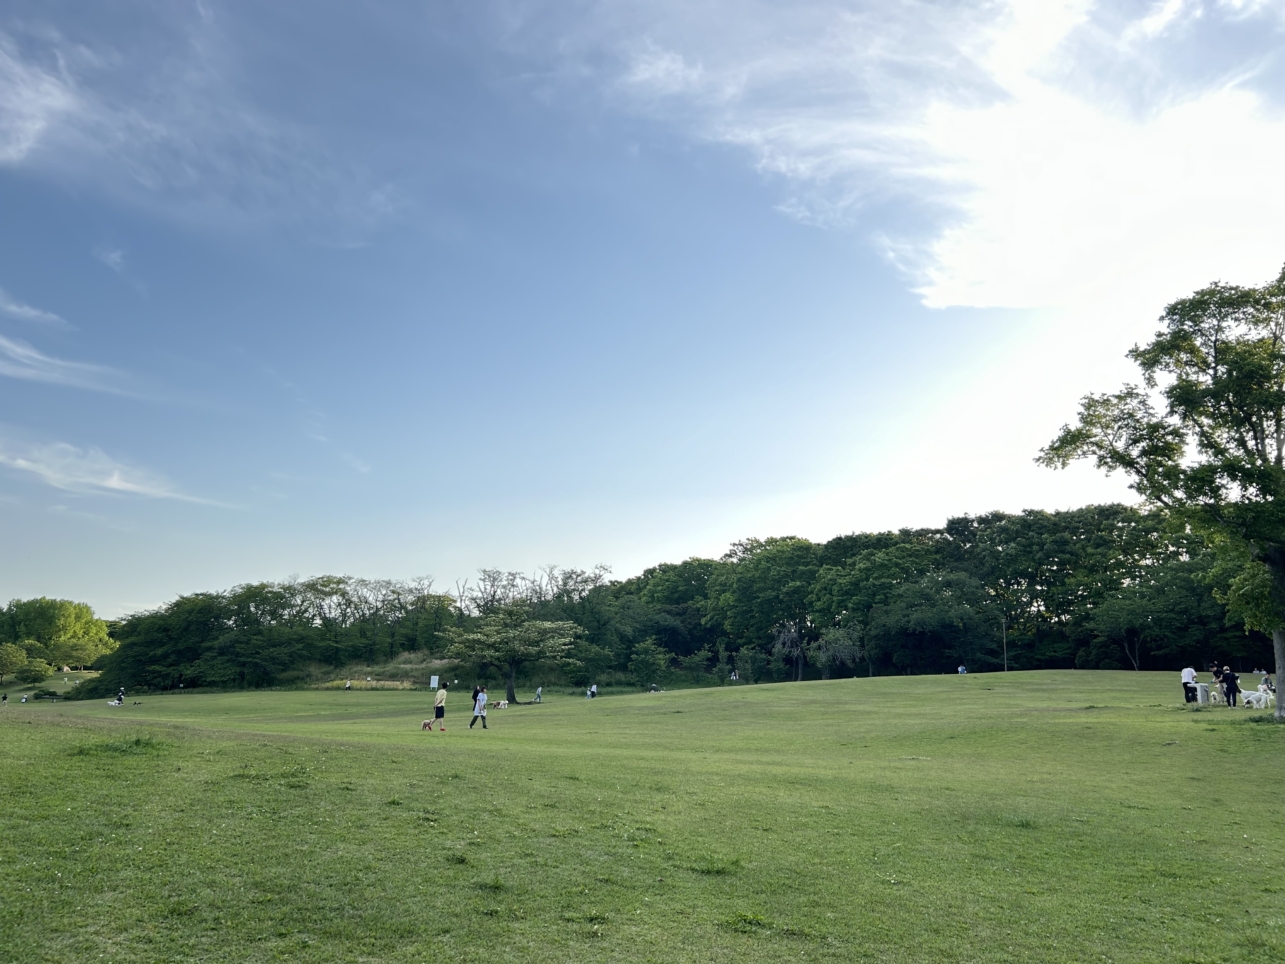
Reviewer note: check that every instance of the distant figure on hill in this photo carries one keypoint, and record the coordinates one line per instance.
(1189, 684)
(1231, 685)
(479, 708)
(439, 707)
(539, 691)
(4, 700)
(963, 670)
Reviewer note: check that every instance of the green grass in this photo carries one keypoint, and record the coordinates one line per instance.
(1056, 816)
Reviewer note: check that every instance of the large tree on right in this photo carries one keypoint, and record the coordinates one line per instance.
(1203, 436)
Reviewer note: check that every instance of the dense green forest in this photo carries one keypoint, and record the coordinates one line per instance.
(1103, 587)
(38, 635)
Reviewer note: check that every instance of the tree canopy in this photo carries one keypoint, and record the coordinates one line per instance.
(1203, 436)
(1107, 586)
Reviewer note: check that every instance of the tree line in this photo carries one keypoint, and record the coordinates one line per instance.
(39, 635)
(1102, 587)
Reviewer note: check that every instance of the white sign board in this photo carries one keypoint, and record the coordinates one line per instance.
(432, 683)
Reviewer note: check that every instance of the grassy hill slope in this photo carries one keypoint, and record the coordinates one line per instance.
(1047, 816)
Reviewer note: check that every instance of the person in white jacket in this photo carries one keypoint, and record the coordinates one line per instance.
(479, 708)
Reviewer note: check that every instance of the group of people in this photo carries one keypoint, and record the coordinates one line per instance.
(480, 699)
(1224, 680)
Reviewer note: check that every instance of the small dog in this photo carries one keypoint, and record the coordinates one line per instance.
(428, 725)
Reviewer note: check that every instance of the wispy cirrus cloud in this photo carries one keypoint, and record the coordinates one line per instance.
(89, 471)
(26, 312)
(112, 257)
(163, 117)
(20, 360)
(32, 100)
(1021, 153)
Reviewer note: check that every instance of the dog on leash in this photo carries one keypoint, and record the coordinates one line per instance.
(428, 725)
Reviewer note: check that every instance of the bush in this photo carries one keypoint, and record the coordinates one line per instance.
(34, 671)
(45, 694)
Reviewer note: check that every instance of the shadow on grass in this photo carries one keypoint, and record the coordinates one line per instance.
(141, 745)
(715, 866)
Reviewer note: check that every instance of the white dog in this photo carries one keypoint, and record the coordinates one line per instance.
(1259, 699)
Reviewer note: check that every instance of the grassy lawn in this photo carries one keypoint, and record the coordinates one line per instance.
(1053, 816)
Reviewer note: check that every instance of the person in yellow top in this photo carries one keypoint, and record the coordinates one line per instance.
(439, 707)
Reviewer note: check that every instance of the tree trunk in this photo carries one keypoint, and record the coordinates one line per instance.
(510, 694)
(1136, 653)
(1278, 647)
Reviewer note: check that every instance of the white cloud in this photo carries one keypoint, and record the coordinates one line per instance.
(20, 360)
(18, 309)
(159, 117)
(31, 99)
(113, 258)
(88, 470)
(662, 72)
(1035, 152)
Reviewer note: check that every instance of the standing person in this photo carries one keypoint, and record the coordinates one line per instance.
(347, 685)
(1189, 684)
(593, 691)
(4, 700)
(479, 708)
(439, 707)
(539, 690)
(1231, 685)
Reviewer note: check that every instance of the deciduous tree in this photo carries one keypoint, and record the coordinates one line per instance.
(509, 638)
(1204, 434)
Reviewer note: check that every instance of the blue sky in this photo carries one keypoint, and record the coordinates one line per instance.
(412, 288)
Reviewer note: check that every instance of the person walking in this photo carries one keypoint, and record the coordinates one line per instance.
(439, 707)
(593, 691)
(1231, 685)
(539, 691)
(347, 685)
(4, 700)
(479, 708)
(1189, 684)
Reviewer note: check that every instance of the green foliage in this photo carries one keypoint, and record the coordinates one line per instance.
(509, 637)
(1103, 586)
(1204, 435)
(837, 647)
(649, 663)
(56, 630)
(12, 658)
(261, 634)
(33, 671)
